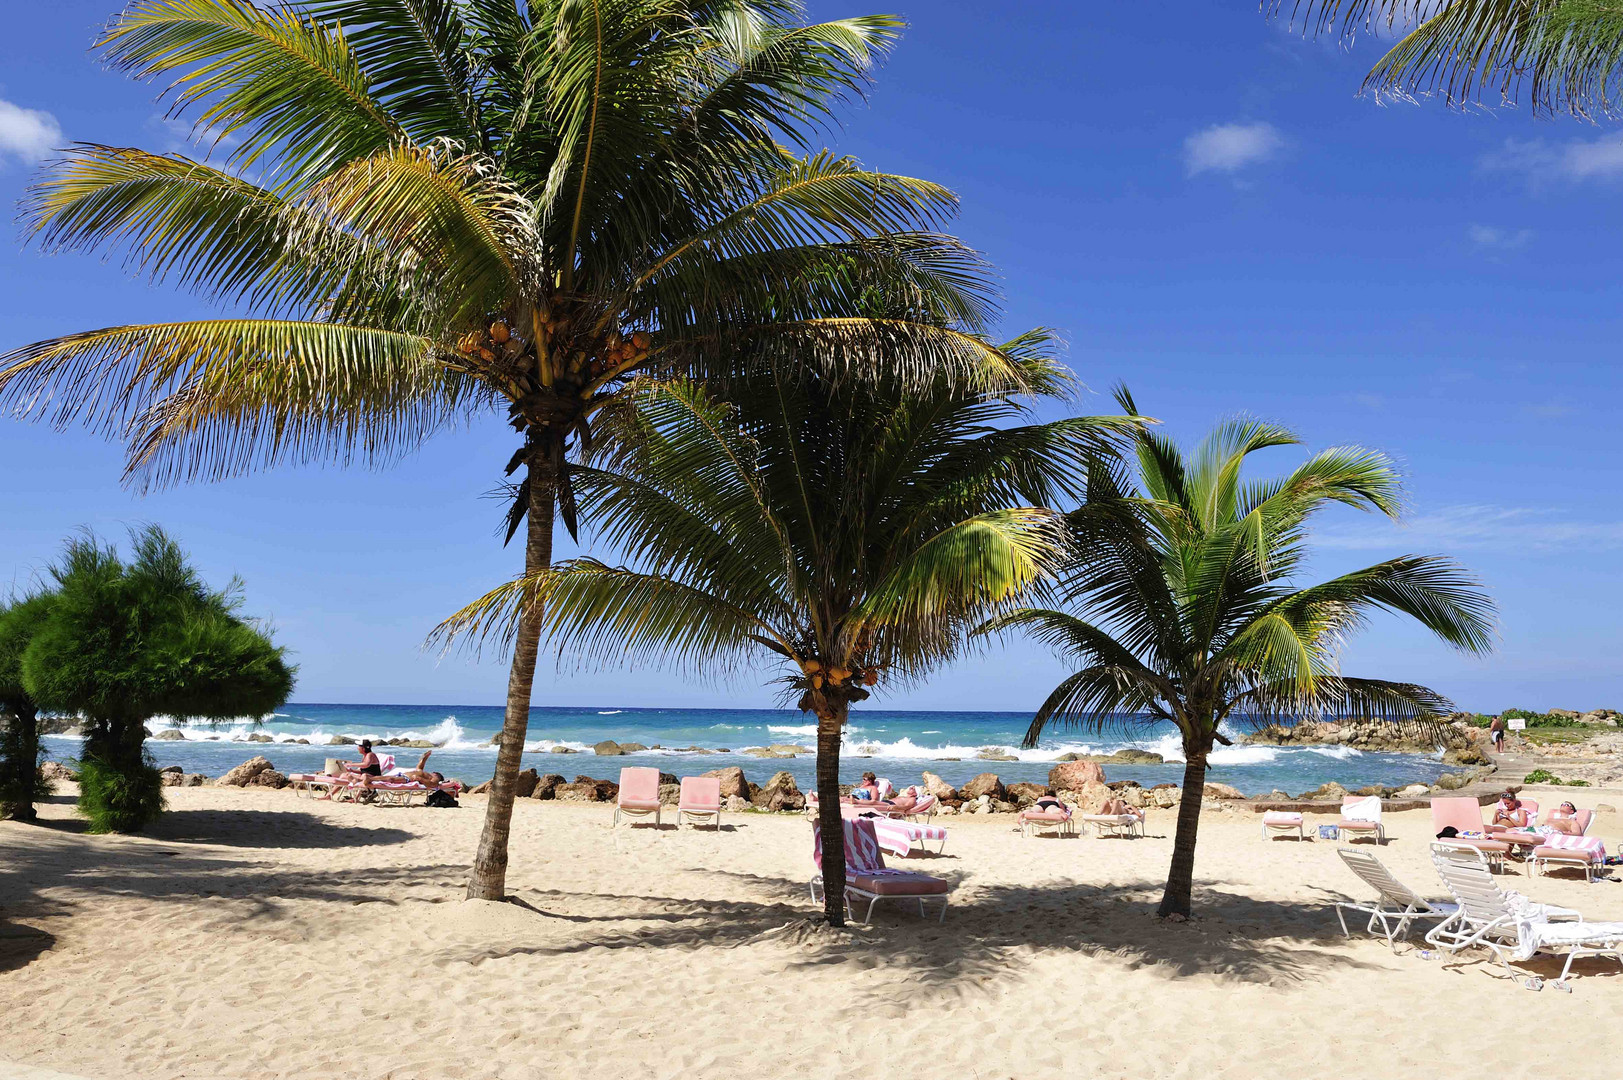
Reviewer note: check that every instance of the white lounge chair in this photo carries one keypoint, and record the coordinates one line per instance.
(1128, 825)
(1396, 905)
(1508, 924)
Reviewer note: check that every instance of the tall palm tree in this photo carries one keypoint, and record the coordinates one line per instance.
(433, 210)
(852, 533)
(1182, 610)
(1567, 53)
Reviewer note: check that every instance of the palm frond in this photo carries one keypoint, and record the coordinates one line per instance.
(281, 84)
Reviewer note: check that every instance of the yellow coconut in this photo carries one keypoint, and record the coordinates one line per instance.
(499, 332)
(817, 682)
(811, 667)
(486, 355)
(839, 674)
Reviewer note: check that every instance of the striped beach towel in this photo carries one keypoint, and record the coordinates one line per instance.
(1592, 845)
(899, 836)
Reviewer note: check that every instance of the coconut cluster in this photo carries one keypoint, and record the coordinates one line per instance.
(585, 357)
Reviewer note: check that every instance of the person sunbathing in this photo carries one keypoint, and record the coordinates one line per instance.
(421, 774)
(868, 790)
(1508, 814)
(366, 769)
(1564, 819)
(1118, 807)
(1048, 805)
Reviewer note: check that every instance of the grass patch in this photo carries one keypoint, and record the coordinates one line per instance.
(1544, 776)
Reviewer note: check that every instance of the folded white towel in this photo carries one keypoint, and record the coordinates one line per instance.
(1363, 810)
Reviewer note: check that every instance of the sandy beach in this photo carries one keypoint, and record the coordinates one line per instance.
(253, 934)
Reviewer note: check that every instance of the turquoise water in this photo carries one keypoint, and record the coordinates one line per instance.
(895, 744)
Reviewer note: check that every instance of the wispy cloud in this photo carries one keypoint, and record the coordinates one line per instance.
(1476, 527)
(1489, 237)
(1230, 147)
(28, 135)
(1541, 161)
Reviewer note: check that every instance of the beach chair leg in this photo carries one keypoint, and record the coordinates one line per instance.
(1341, 917)
(943, 916)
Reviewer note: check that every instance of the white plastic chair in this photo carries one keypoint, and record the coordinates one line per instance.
(1396, 905)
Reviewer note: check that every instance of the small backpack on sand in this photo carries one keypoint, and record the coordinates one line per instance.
(440, 798)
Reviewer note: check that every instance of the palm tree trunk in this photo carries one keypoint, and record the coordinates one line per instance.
(1175, 900)
(488, 880)
(830, 823)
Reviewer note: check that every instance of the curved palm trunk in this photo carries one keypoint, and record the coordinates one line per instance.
(488, 880)
(1175, 900)
(829, 822)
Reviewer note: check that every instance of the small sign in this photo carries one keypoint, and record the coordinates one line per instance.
(1518, 723)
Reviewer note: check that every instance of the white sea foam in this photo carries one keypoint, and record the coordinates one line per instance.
(610, 712)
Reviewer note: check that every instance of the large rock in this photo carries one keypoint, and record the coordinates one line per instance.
(172, 776)
(169, 735)
(766, 752)
(194, 779)
(1165, 796)
(1091, 797)
(984, 784)
(594, 790)
(1023, 795)
(1133, 756)
(1454, 781)
(59, 725)
(525, 783)
(992, 753)
(1072, 775)
(631, 747)
(735, 803)
(340, 740)
(780, 793)
(1466, 755)
(1221, 791)
(1599, 716)
(732, 782)
(1413, 791)
(244, 774)
(268, 778)
(939, 787)
(608, 748)
(1328, 791)
(481, 789)
(257, 737)
(1566, 714)
(55, 770)
(670, 794)
(547, 787)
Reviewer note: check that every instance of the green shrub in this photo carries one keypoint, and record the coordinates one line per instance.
(119, 799)
(1544, 776)
(1536, 719)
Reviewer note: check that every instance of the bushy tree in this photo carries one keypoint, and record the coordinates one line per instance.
(126, 641)
(21, 784)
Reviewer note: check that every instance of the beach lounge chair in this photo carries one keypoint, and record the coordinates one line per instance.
(1281, 821)
(1464, 813)
(1396, 905)
(1127, 826)
(1049, 819)
(700, 799)
(639, 795)
(924, 806)
(867, 877)
(1361, 816)
(1508, 924)
(1582, 851)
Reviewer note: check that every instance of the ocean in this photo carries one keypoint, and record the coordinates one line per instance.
(895, 744)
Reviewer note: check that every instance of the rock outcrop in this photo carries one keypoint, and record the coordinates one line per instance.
(608, 748)
(244, 774)
(55, 770)
(525, 783)
(1412, 737)
(984, 784)
(733, 783)
(939, 787)
(1221, 791)
(1023, 795)
(1072, 775)
(169, 735)
(780, 793)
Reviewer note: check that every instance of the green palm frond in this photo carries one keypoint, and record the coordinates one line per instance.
(216, 233)
(415, 56)
(214, 397)
(285, 86)
(610, 615)
(1568, 54)
(1436, 592)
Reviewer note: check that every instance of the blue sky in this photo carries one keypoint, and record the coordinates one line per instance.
(1192, 194)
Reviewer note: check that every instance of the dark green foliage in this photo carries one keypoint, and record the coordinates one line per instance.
(1536, 719)
(21, 785)
(1544, 776)
(128, 641)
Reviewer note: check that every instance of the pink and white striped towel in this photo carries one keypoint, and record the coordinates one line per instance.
(899, 836)
(1590, 844)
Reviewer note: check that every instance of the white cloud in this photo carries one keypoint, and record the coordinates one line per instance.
(1488, 236)
(28, 135)
(1600, 159)
(1478, 527)
(1230, 147)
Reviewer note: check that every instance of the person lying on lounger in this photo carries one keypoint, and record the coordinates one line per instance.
(421, 775)
(1118, 807)
(1509, 813)
(1564, 819)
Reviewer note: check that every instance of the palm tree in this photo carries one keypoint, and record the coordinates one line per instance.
(1182, 610)
(433, 210)
(853, 533)
(1568, 53)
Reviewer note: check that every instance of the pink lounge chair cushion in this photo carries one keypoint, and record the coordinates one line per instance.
(1045, 815)
(898, 883)
(638, 788)
(700, 793)
(1358, 826)
(1281, 817)
(1485, 846)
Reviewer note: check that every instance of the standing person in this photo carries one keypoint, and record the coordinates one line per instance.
(1496, 733)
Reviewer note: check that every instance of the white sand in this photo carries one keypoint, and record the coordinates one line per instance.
(256, 935)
